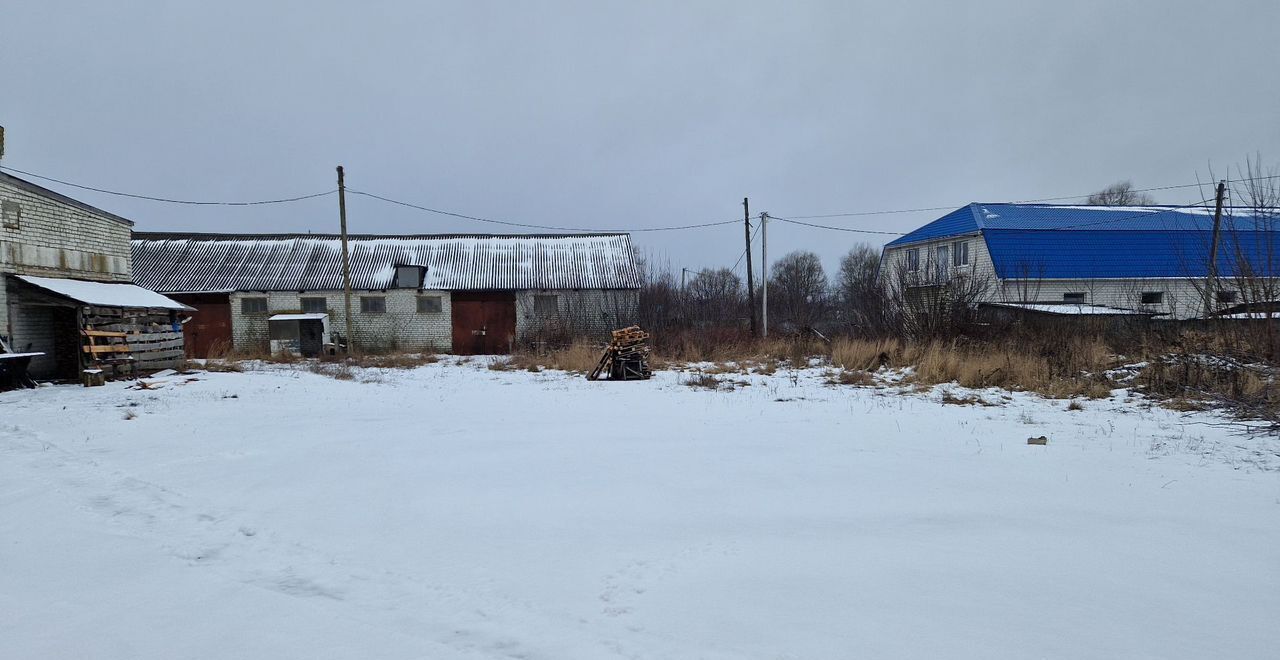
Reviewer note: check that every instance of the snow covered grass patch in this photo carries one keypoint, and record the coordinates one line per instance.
(455, 511)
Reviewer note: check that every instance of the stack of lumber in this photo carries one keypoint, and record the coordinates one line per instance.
(108, 351)
(626, 357)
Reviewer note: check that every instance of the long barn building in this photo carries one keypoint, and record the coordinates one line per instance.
(468, 294)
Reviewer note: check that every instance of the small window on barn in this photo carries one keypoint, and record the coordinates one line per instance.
(913, 260)
(408, 277)
(253, 305)
(373, 305)
(546, 305)
(1152, 297)
(1228, 296)
(430, 304)
(960, 253)
(12, 214)
(314, 305)
(1078, 298)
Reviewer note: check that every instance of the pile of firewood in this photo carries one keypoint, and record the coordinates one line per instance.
(626, 357)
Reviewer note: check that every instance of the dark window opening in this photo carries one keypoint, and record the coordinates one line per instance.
(1152, 297)
(373, 305)
(546, 305)
(253, 305)
(1228, 296)
(430, 304)
(315, 305)
(1077, 298)
(12, 214)
(408, 277)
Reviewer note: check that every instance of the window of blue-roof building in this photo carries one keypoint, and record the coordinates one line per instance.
(913, 260)
(1074, 297)
(960, 253)
(1152, 297)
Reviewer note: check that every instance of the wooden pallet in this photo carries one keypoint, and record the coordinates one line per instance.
(626, 357)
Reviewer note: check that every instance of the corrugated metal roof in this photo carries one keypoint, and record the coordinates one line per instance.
(977, 217)
(313, 262)
(956, 223)
(1044, 241)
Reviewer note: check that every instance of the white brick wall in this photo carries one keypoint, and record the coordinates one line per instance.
(401, 327)
(591, 311)
(584, 312)
(55, 239)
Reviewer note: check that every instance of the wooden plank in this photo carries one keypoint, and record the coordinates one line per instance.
(139, 346)
(154, 336)
(110, 348)
(158, 355)
(102, 333)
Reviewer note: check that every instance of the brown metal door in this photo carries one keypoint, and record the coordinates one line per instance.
(484, 323)
(210, 325)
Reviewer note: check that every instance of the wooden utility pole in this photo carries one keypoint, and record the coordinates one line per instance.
(1211, 284)
(764, 271)
(751, 284)
(346, 260)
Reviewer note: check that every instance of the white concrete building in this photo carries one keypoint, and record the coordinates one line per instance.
(1151, 259)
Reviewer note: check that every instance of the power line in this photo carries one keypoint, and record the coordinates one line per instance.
(1144, 214)
(846, 229)
(533, 226)
(165, 199)
(744, 252)
(852, 214)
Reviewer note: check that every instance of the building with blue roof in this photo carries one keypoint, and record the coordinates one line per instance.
(1152, 259)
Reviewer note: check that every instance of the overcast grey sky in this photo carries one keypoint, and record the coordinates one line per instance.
(620, 115)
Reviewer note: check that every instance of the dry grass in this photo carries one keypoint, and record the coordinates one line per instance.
(851, 377)
(580, 357)
(952, 399)
(1075, 405)
(223, 365)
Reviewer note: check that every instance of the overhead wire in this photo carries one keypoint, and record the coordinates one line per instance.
(166, 199)
(535, 226)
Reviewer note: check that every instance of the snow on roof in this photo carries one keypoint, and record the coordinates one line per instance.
(299, 317)
(102, 294)
(313, 262)
(1071, 309)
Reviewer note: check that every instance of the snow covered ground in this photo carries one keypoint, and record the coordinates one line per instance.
(456, 512)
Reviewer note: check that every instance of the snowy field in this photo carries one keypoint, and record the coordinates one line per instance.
(456, 512)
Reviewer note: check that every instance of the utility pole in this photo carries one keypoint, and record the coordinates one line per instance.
(346, 260)
(751, 284)
(764, 268)
(1211, 284)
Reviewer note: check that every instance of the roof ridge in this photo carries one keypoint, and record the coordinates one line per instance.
(217, 236)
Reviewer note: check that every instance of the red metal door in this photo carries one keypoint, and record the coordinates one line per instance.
(484, 322)
(209, 329)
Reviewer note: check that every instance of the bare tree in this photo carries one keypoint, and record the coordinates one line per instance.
(716, 297)
(798, 291)
(1120, 194)
(859, 295)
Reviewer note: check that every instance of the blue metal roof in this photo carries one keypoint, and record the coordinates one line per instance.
(1096, 242)
(956, 223)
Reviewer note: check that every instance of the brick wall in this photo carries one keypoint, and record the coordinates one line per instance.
(589, 313)
(55, 239)
(401, 327)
